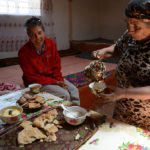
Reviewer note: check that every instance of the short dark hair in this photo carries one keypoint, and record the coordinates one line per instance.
(33, 22)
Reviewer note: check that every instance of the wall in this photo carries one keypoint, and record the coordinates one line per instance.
(90, 19)
(98, 18)
(61, 23)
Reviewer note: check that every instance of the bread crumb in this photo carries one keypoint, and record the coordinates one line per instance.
(77, 137)
(86, 128)
(59, 126)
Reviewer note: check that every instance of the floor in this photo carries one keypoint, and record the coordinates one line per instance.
(70, 64)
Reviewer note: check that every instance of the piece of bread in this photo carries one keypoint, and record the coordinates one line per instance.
(50, 137)
(27, 96)
(51, 115)
(49, 128)
(25, 123)
(40, 122)
(22, 100)
(29, 135)
(40, 100)
(34, 105)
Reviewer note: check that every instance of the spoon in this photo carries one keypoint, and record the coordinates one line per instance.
(64, 108)
(71, 113)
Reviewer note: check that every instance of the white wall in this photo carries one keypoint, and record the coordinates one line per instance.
(98, 18)
(61, 23)
(112, 18)
(90, 19)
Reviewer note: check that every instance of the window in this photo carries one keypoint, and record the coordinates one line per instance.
(20, 7)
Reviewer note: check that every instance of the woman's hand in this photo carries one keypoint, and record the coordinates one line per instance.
(104, 53)
(62, 84)
(117, 93)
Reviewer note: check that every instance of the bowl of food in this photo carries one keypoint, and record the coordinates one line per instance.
(11, 114)
(35, 88)
(75, 115)
(97, 87)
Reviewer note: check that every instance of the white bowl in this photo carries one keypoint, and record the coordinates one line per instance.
(75, 116)
(97, 87)
(11, 119)
(35, 88)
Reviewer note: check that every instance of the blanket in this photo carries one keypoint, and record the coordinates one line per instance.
(6, 88)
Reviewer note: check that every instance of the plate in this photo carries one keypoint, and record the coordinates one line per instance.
(31, 102)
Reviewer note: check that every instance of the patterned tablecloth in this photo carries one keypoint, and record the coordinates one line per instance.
(114, 135)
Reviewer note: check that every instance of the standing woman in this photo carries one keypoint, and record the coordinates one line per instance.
(132, 94)
(40, 62)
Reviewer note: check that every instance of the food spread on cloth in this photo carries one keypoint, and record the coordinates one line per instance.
(48, 130)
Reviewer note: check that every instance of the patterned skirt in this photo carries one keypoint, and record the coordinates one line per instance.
(133, 112)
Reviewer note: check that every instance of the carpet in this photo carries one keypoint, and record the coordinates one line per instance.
(77, 79)
(87, 55)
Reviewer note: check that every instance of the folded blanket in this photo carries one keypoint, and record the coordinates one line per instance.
(8, 87)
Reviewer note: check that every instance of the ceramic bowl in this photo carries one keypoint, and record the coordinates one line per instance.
(75, 116)
(35, 88)
(97, 87)
(11, 114)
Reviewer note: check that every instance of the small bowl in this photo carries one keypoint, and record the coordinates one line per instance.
(78, 117)
(35, 88)
(97, 87)
(11, 119)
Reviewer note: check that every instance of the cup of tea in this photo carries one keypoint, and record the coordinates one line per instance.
(35, 88)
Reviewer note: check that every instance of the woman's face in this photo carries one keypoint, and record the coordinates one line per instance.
(138, 29)
(37, 36)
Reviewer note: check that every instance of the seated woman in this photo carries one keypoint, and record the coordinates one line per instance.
(132, 95)
(40, 62)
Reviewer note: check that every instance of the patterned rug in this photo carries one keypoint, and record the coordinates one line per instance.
(77, 79)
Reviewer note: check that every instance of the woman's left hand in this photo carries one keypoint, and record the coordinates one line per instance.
(107, 98)
(117, 94)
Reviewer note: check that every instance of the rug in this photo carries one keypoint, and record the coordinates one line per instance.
(87, 55)
(77, 79)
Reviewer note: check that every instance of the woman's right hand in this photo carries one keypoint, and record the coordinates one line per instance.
(104, 53)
